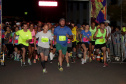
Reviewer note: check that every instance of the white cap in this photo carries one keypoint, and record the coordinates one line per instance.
(107, 21)
(18, 23)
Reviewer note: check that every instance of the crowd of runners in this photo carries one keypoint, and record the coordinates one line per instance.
(66, 41)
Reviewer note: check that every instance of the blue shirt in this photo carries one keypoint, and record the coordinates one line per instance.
(85, 34)
(61, 35)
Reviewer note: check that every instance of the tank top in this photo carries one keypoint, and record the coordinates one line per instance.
(100, 41)
(33, 34)
(74, 34)
(92, 33)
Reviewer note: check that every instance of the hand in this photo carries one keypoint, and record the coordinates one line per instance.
(67, 35)
(27, 41)
(101, 37)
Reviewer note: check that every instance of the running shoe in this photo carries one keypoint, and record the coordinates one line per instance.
(105, 65)
(60, 69)
(68, 65)
(44, 71)
(29, 62)
(51, 61)
(34, 61)
(82, 61)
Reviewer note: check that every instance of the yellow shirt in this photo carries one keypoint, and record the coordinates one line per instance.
(74, 32)
(124, 29)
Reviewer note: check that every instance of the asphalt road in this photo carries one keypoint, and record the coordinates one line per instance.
(90, 73)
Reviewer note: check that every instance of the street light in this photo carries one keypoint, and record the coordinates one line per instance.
(48, 3)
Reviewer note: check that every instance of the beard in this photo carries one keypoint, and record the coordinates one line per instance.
(62, 25)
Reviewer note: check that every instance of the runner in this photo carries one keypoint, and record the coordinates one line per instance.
(86, 37)
(61, 35)
(69, 50)
(7, 41)
(100, 43)
(43, 45)
(25, 38)
(108, 28)
(52, 52)
(92, 42)
(31, 46)
(74, 33)
(15, 44)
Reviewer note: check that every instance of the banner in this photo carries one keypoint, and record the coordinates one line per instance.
(98, 11)
(0, 25)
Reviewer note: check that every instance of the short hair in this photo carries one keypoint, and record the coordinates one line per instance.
(102, 23)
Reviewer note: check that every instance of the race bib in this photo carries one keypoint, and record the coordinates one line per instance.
(85, 40)
(44, 40)
(68, 41)
(16, 41)
(102, 40)
(62, 38)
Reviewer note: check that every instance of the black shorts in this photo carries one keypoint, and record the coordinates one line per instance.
(73, 44)
(69, 49)
(22, 46)
(17, 46)
(79, 42)
(86, 44)
(2, 41)
(32, 45)
(99, 46)
(92, 42)
(54, 46)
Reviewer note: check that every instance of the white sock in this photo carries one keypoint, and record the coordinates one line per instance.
(51, 56)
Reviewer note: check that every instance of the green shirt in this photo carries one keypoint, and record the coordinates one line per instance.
(124, 29)
(100, 41)
(93, 32)
(23, 36)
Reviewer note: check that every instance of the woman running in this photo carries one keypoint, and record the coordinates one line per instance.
(86, 37)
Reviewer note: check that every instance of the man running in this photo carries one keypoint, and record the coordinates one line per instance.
(61, 35)
(100, 43)
(43, 45)
(108, 28)
(24, 38)
(92, 42)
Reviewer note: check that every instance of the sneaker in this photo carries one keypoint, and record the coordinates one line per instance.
(61, 69)
(68, 65)
(105, 65)
(34, 61)
(85, 61)
(23, 64)
(51, 61)
(90, 60)
(44, 71)
(29, 62)
(82, 61)
(73, 61)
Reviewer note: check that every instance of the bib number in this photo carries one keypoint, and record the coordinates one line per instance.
(44, 40)
(62, 38)
(102, 40)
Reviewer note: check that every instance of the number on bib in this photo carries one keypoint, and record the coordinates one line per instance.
(44, 39)
(62, 38)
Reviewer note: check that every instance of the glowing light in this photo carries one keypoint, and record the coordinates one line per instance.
(48, 3)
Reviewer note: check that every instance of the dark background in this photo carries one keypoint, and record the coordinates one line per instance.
(35, 12)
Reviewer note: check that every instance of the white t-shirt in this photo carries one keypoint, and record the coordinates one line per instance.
(44, 39)
(108, 28)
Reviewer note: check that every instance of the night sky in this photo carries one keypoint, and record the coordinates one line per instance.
(18, 7)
